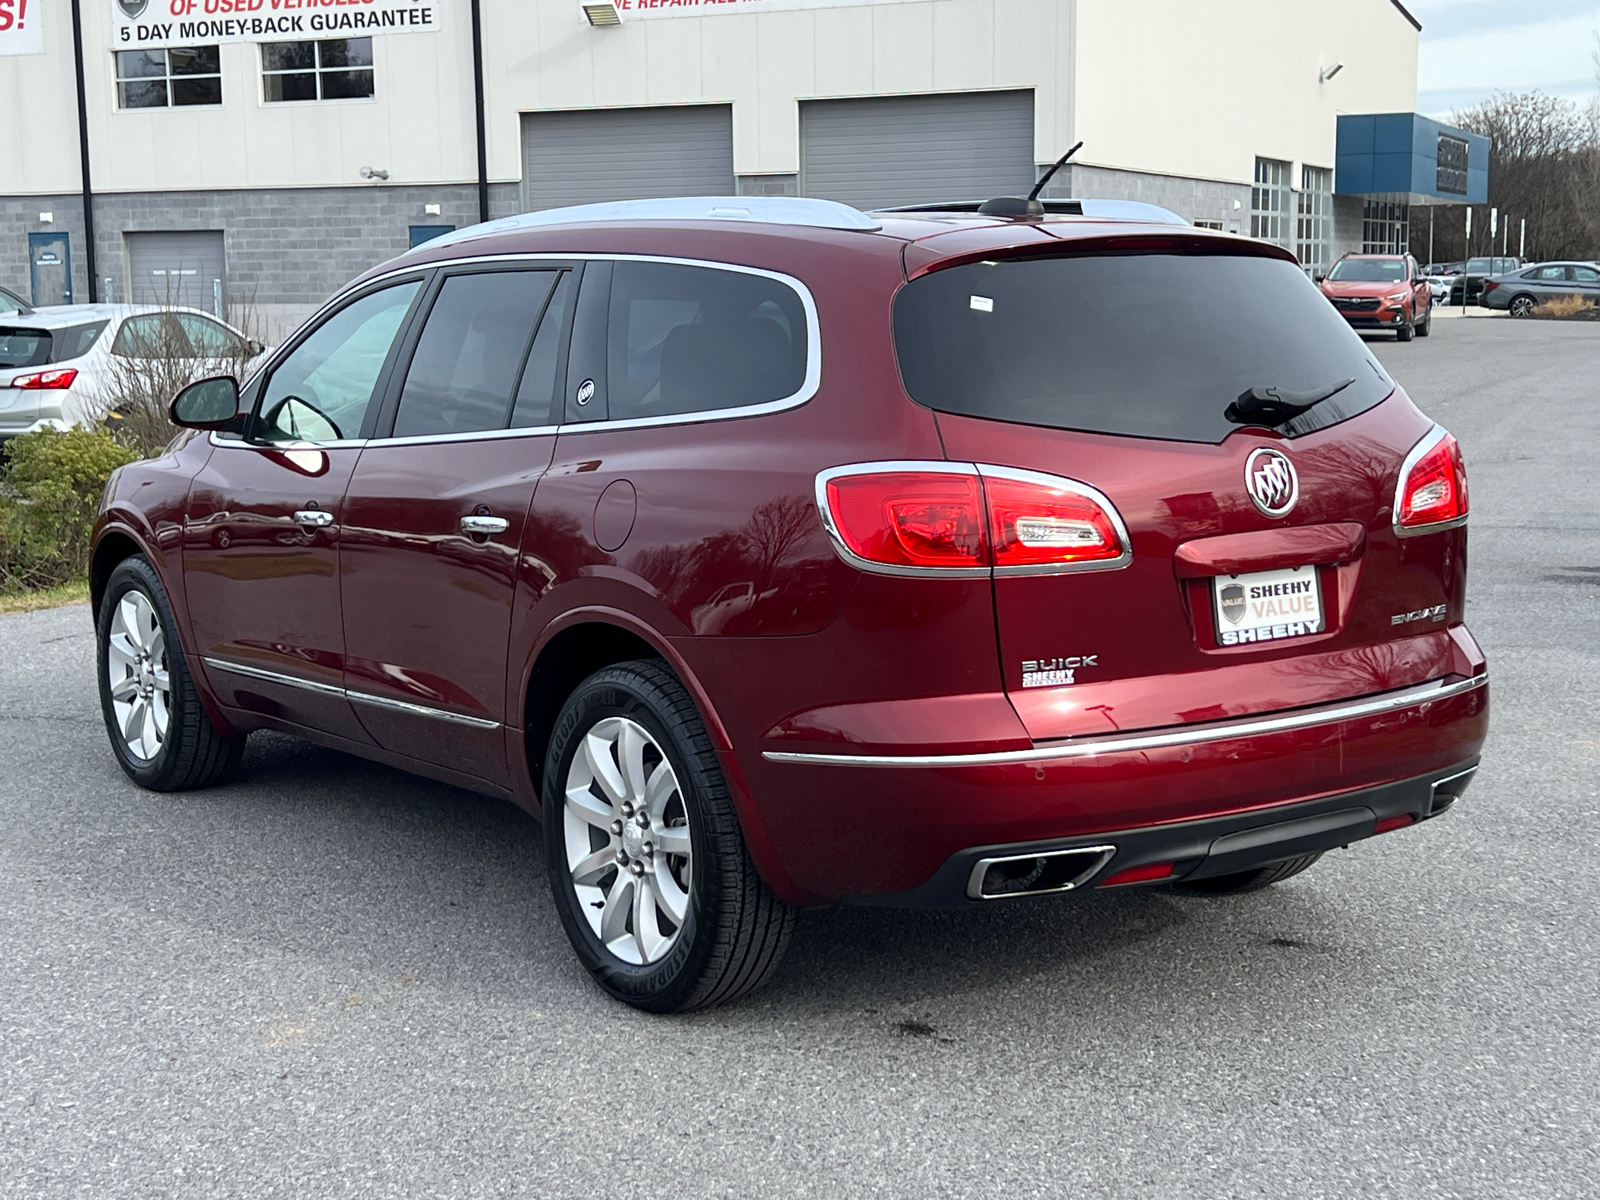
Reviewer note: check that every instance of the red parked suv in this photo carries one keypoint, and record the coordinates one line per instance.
(1381, 291)
(778, 555)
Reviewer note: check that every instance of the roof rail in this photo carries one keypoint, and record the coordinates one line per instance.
(765, 210)
(1105, 210)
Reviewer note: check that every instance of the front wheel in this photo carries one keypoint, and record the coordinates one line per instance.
(1522, 306)
(159, 732)
(648, 867)
(1403, 334)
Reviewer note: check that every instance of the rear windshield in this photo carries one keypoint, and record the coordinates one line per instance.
(1368, 270)
(24, 347)
(1146, 345)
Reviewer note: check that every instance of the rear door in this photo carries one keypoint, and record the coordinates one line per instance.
(435, 515)
(1118, 372)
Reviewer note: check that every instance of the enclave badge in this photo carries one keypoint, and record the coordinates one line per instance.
(1270, 479)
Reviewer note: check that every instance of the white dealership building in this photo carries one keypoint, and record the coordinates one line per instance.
(266, 151)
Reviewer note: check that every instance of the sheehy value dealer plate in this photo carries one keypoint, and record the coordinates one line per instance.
(1266, 606)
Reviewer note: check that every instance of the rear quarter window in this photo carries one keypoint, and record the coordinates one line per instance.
(76, 340)
(1145, 345)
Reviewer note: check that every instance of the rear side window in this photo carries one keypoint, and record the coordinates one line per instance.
(75, 340)
(685, 339)
(21, 347)
(1146, 345)
(465, 369)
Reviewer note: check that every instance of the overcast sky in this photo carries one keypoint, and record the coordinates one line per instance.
(1474, 48)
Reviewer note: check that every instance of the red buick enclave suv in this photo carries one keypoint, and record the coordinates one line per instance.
(776, 555)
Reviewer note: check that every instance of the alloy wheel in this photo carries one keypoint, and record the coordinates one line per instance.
(626, 831)
(136, 669)
(1521, 306)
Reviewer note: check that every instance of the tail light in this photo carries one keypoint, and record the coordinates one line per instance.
(46, 380)
(963, 519)
(1433, 486)
(1489, 285)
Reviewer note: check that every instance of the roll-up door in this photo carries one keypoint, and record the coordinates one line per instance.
(626, 154)
(892, 150)
(178, 267)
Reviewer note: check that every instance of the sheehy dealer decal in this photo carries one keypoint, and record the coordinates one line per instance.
(1265, 606)
(140, 24)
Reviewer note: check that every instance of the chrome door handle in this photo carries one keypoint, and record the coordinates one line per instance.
(483, 526)
(313, 518)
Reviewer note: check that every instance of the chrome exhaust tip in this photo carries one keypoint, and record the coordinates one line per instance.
(1448, 790)
(1038, 874)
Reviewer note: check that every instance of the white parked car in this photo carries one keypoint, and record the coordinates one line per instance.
(57, 362)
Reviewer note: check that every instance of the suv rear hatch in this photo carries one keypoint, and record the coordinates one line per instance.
(1123, 364)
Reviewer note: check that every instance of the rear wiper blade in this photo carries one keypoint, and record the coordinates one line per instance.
(1274, 406)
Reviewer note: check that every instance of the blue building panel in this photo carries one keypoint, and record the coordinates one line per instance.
(1408, 154)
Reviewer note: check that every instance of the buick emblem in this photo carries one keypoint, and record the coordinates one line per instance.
(133, 9)
(1232, 598)
(1270, 479)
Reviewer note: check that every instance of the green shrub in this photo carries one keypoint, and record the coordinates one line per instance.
(50, 486)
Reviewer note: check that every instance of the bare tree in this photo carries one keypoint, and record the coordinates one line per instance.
(1544, 168)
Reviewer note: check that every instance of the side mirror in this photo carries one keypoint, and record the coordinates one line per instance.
(256, 348)
(208, 404)
(1318, 278)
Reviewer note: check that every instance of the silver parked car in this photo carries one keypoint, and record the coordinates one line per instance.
(1520, 292)
(57, 362)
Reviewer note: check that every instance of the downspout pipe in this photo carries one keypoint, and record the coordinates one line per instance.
(477, 87)
(83, 154)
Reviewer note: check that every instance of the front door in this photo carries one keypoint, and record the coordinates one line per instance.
(50, 264)
(262, 534)
(434, 515)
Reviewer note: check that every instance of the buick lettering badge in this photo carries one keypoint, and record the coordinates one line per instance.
(1270, 479)
(133, 9)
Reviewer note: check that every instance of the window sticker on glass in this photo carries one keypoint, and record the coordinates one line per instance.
(983, 304)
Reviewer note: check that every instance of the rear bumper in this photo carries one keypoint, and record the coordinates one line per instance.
(1202, 849)
(863, 825)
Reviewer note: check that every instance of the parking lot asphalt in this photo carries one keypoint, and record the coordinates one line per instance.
(332, 979)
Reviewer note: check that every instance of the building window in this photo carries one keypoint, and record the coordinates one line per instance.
(1385, 227)
(1199, 223)
(168, 78)
(340, 69)
(1269, 203)
(1313, 232)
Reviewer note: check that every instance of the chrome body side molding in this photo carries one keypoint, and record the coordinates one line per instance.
(1159, 739)
(328, 689)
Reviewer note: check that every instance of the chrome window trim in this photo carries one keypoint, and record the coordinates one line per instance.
(328, 689)
(809, 386)
(1089, 747)
(1429, 440)
(986, 471)
(884, 467)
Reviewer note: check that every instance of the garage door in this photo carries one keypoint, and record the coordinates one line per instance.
(177, 267)
(892, 150)
(626, 154)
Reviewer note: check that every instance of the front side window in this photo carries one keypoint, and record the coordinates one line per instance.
(470, 357)
(339, 69)
(211, 339)
(1145, 345)
(172, 78)
(322, 390)
(686, 339)
(1585, 275)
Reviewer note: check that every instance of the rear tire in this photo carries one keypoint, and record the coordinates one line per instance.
(1246, 881)
(1522, 306)
(159, 732)
(1426, 327)
(648, 866)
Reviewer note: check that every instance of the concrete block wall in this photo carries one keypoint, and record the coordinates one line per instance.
(1192, 199)
(287, 249)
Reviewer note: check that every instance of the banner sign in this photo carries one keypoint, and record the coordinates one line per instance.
(142, 24)
(21, 27)
(631, 10)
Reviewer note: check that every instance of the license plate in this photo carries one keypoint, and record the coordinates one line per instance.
(1267, 606)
